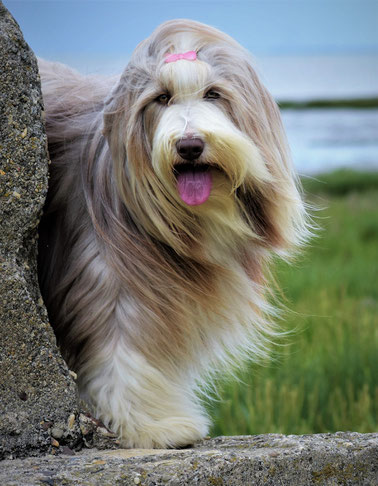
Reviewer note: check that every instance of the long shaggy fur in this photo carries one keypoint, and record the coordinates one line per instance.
(147, 295)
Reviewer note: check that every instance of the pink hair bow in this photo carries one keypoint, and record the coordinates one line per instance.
(189, 56)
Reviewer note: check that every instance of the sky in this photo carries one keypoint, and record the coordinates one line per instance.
(100, 35)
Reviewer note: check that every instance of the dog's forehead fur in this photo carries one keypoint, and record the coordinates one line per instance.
(185, 79)
(218, 57)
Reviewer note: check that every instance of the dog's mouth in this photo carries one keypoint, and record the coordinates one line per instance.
(194, 182)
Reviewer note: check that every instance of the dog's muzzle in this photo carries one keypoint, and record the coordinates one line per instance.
(194, 179)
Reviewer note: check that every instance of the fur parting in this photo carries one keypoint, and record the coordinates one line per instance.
(148, 296)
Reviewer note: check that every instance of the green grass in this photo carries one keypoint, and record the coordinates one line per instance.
(324, 377)
(340, 183)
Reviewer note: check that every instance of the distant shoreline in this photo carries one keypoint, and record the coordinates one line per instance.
(352, 103)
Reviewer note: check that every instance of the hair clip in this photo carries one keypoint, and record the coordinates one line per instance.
(189, 56)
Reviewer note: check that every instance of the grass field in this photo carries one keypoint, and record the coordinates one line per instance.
(324, 376)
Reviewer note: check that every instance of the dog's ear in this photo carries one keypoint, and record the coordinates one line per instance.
(276, 207)
(123, 126)
(115, 122)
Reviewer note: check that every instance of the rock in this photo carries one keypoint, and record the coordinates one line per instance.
(57, 432)
(54, 442)
(36, 388)
(269, 460)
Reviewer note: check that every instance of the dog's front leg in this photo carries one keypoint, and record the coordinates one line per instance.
(147, 407)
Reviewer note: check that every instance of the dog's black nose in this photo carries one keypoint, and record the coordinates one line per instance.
(190, 148)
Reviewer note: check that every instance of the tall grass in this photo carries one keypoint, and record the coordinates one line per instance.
(324, 376)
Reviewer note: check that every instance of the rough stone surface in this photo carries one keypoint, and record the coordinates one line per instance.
(269, 460)
(36, 390)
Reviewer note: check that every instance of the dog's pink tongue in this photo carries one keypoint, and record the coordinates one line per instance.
(194, 187)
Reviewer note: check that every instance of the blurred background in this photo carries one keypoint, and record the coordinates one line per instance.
(319, 58)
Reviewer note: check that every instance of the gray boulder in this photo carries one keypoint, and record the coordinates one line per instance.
(37, 392)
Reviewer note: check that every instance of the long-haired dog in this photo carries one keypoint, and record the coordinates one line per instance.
(171, 187)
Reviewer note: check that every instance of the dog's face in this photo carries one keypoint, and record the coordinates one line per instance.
(198, 144)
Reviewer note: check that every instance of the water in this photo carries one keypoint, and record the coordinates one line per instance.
(323, 140)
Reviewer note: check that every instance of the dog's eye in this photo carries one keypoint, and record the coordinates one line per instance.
(163, 99)
(212, 95)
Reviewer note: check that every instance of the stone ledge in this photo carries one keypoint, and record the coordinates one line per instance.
(344, 458)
